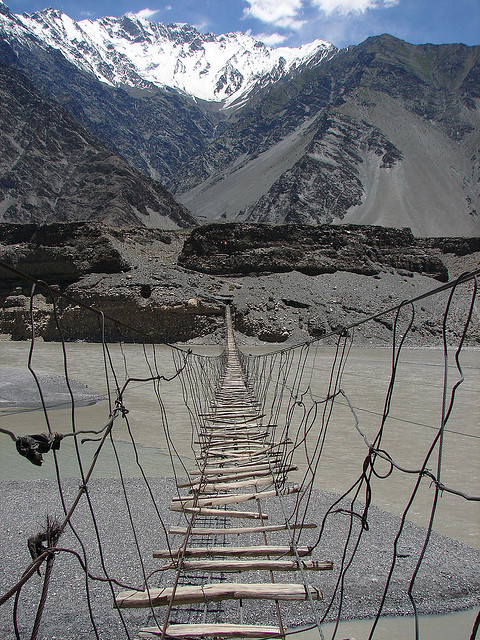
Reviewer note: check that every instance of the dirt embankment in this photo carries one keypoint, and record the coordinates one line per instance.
(288, 283)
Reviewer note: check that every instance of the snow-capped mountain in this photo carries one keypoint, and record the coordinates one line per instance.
(135, 52)
(383, 132)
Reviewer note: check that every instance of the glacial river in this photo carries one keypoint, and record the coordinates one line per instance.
(414, 416)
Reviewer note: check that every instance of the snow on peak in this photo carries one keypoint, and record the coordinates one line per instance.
(131, 50)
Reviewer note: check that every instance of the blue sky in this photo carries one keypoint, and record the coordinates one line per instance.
(294, 22)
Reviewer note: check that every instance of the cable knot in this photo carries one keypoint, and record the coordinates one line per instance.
(121, 407)
(34, 446)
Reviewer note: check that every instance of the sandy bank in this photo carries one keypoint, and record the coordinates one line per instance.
(447, 581)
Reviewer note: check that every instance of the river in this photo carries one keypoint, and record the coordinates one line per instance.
(414, 416)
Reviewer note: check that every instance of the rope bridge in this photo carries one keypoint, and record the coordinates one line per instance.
(262, 435)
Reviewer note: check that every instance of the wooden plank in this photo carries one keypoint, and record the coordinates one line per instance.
(246, 441)
(238, 416)
(260, 447)
(234, 447)
(238, 406)
(244, 416)
(241, 456)
(220, 630)
(220, 513)
(224, 478)
(225, 486)
(254, 551)
(231, 498)
(238, 475)
(207, 531)
(240, 438)
(232, 456)
(242, 468)
(234, 434)
(232, 566)
(235, 427)
(189, 594)
(207, 442)
(242, 421)
(257, 458)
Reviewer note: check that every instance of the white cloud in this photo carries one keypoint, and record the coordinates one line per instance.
(290, 23)
(346, 7)
(201, 26)
(144, 13)
(281, 13)
(270, 39)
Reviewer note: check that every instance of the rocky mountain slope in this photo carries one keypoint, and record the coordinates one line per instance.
(155, 130)
(287, 284)
(383, 133)
(52, 169)
(135, 52)
(380, 133)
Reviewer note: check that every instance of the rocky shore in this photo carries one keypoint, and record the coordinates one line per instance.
(447, 581)
(288, 283)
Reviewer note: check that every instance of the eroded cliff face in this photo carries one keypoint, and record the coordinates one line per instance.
(116, 271)
(242, 249)
(384, 133)
(287, 283)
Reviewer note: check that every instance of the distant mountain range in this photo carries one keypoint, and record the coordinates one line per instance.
(381, 133)
(131, 51)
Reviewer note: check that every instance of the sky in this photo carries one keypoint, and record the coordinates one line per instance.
(294, 22)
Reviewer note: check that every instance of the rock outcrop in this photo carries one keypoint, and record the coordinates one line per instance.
(242, 249)
(286, 283)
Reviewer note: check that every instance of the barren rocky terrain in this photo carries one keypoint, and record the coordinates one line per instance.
(287, 283)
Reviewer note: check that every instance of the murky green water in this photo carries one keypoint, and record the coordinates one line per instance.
(414, 417)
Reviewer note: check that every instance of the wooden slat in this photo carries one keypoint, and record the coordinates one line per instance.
(226, 486)
(189, 594)
(215, 416)
(206, 531)
(240, 468)
(270, 456)
(252, 435)
(220, 630)
(242, 457)
(219, 513)
(236, 407)
(254, 551)
(232, 566)
(254, 447)
(276, 469)
(234, 428)
(239, 436)
(242, 420)
(210, 477)
(230, 498)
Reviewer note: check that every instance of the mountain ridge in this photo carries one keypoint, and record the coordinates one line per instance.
(54, 170)
(383, 132)
(385, 88)
(132, 51)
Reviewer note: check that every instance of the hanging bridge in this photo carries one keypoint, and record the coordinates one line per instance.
(237, 451)
(242, 549)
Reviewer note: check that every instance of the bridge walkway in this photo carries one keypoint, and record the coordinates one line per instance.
(238, 462)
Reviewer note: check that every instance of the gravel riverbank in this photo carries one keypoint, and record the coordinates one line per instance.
(447, 581)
